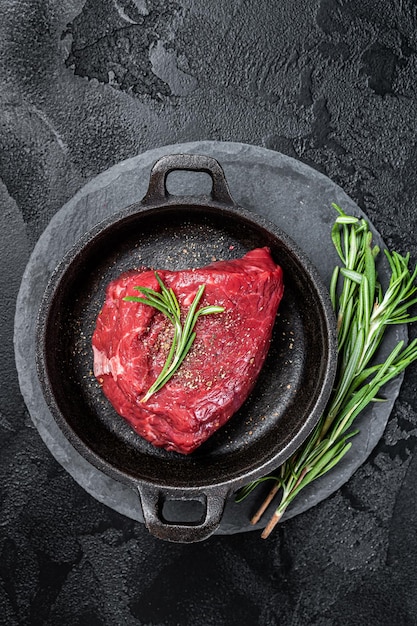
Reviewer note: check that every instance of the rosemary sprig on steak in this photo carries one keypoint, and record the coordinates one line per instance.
(184, 335)
(363, 314)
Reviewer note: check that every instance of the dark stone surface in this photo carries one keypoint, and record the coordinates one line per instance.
(85, 85)
(283, 190)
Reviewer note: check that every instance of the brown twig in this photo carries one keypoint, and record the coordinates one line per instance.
(271, 495)
(271, 525)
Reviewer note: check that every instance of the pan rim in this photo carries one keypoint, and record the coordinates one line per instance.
(207, 205)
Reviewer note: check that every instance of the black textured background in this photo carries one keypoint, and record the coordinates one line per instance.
(87, 84)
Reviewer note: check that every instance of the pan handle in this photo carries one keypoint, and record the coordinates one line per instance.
(157, 190)
(152, 501)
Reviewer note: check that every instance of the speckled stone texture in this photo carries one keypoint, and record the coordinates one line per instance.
(283, 190)
(85, 85)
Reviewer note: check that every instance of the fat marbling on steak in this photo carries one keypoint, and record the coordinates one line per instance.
(131, 341)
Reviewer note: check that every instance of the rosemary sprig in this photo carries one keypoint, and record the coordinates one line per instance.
(363, 314)
(184, 335)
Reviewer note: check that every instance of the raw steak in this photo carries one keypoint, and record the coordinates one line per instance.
(131, 341)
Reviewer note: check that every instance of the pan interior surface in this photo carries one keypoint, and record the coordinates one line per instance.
(287, 391)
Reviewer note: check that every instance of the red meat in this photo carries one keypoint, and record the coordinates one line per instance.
(131, 341)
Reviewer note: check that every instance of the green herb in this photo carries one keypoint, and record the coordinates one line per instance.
(363, 314)
(184, 335)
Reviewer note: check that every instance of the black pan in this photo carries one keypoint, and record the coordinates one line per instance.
(166, 231)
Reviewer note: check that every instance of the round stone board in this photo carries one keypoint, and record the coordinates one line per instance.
(294, 196)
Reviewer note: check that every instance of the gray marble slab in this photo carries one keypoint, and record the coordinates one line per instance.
(287, 192)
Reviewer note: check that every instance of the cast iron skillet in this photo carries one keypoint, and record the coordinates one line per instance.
(167, 231)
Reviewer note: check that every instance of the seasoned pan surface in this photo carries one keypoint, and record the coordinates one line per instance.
(277, 413)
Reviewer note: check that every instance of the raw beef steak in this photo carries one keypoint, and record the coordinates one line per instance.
(131, 342)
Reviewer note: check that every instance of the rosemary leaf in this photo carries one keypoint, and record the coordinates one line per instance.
(166, 302)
